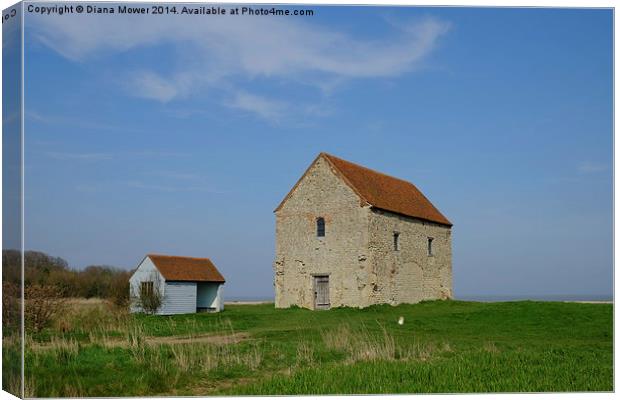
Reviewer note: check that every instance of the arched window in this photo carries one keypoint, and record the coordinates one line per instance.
(320, 227)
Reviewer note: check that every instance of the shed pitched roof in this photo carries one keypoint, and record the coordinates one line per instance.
(383, 191)
(175, 268)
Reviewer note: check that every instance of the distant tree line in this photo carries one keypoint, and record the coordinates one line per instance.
(101, 281)
(48, 280)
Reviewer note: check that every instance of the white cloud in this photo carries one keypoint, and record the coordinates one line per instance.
(263, 107)
(588, 167)
(227, 51)
(149, 85)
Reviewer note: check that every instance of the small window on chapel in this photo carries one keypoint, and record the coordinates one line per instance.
(430, 246)
(396, 241)
(320, 227)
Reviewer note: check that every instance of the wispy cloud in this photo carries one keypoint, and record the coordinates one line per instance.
(154, 181)
(35, 116)
(263, 107)
(150, 85)
(183, 176)
(230, 51)
(92, 187)
(155, 154)
(110, 156)
(171, 188)
(73, 121)
(162, 181)
(80, 156)
(587, 167)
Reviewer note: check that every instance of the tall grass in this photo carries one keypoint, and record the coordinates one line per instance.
(206, 357)
(92, 317)
(362, 345)
(193, 357)
(305, 354)
(11, 362)
(64, 350)
(470, 372)
(12, 382)
(96, 350)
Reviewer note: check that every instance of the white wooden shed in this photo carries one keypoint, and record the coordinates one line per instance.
(186, 284)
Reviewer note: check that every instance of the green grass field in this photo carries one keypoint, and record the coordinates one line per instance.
(443, 346)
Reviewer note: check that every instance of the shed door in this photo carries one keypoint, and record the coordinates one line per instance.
(321, 292)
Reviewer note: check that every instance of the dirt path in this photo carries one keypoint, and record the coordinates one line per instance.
(214, 339)
(155, 340)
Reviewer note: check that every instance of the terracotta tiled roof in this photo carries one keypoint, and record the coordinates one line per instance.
(381, 191)
(386, 192)
(192, 269)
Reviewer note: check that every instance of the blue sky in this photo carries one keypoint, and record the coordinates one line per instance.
(11, 129)
(181, 134)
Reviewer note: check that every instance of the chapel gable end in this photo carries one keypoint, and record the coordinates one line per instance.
(319, 187)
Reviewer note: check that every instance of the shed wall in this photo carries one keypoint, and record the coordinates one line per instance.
(179, 298)
(146, 271)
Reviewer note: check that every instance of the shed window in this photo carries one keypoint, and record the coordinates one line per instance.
(396, 241)
(320, 227)
(430, 246)
(146, 289)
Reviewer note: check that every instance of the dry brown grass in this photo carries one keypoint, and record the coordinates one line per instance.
(490, 347)
(191, 353)
(13, 339)
(206, 357)
(305, 354)
(232, 338)
(361, 345)
(338, 339)
(64, 350)
(92, 315)
(110, 326)
(424, 352)
(13, 385)
(29, 388)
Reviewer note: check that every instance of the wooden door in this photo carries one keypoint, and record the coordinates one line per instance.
(321, 292)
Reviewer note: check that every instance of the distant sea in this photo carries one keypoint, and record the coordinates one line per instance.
(247, 298)
(555, 297)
